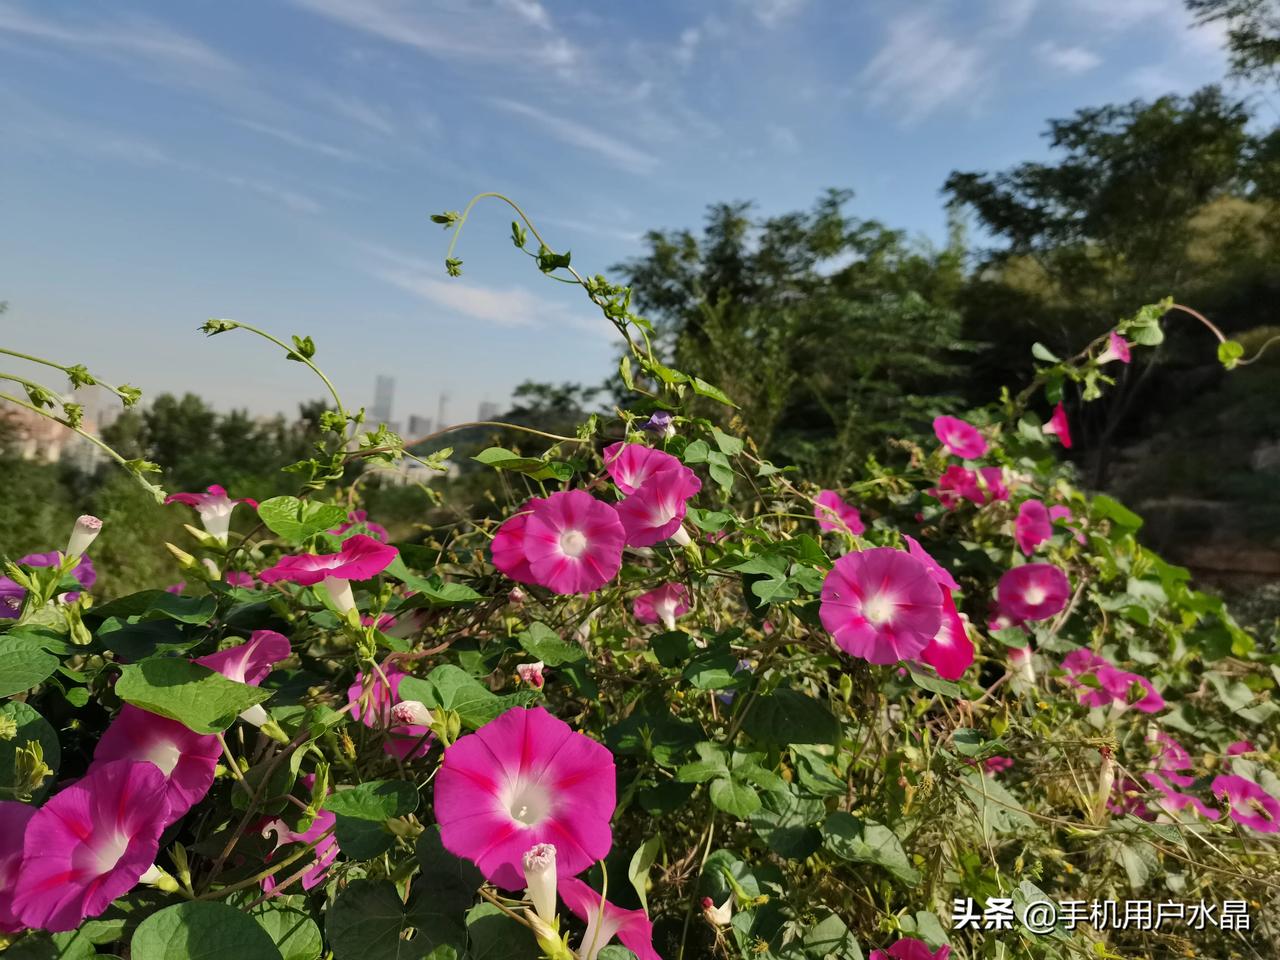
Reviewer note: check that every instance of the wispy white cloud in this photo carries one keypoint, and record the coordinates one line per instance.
(920, 68)
(298, 202)
(359, 111)
(686, 47)
(301, 142)
(770, 13)
(1068, 59)
(784, 139)
(1010, 17)
(617, 152)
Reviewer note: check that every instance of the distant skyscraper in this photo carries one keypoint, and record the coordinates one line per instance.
(419, 426)
(384, 390)
(488, 410)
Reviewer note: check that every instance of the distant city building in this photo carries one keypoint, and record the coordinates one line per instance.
(384, 390)
(34, 437)
(488, 410)
(419, 426)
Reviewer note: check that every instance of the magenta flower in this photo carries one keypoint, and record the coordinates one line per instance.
(1174, 800)
(1250, 805)
(572, 542)
(662, 605)
(909, 948)
(660, 423)
(881, 605)
(326, 851)
(1033, 526)
(991, 482)
(960, 438)
(375, 709)
(654, 512)
(532, 674)
(238, 578)
(12, 595)
(956, 484)
(833, 513)
(950, 652)
(1059, 427)
(940, 576)
(605, 921)
(1116, 690)
(89, 844)
(361, 557)
(522, 779)
(994, 765)
(1033, 591)
(359, 521)
(14, 818)
(1239, 747)
(1058, 512)
(250, 663)
(631, 464)
(186, 759)
(1172, 759)
(214, 508)
(1117, 349)
(507, 546)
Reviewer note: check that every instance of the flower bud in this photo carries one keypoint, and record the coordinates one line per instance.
(517, 595)
(531, 673)
(412, 712)
(83, 534)
(540, 880)
(717, 916)
(160, 879)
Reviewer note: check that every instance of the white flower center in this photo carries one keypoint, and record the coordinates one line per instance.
(573, 543)
(164, 754)
(879, 609)
(105, 857)
(528, 804)
(1034, 595)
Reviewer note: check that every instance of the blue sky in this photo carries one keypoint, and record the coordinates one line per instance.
(275, 161)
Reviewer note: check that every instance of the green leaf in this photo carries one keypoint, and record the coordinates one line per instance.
(374, 800)
(738, 799)
(453, 880)
(31, 728)
(712, 762)
(159, 605)
(865, 841)
(287, 923)
(495, 936)
(704, 389)
(638, 870)
(202, 699)
(729, 446)
(712, 670)
(452, 688)
(502, 459)
(788, 716)
(368, 920)
(1229, 353)
(785, 822)
(429, 591)
(831, 939)
(927, 681)
(540, 641)
(997, 810)
(1113, 510)
(23, 664)
(201, 930)
(299, 520)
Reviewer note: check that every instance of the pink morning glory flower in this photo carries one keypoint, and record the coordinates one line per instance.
(1117, 349)
(375, 707)
(1250, 805)
(572, 542)
(361, 557)
(881, 605)
(1059, 427)
(12, 595)
(960, 438)
(186, 759)
(1021, 669)
(631, 464)
(909, 948)
(250, 663)
(950, 652)
(238, 578)
(89, 844)
(522, 779)
(14, 818)
(833, 513)
(1172, 759)
(660, 423)
(326, 851)
(214, 508)
(1116, 690)
(1174, 800)
(936, 570)
(507, 546)
(1032, 527)
(605, 921)
(956, 484)
(654, 512)
(991, 482)
(662, 605)
(1033, 591)
(1239, 747)
(359, 521)
(994, 765)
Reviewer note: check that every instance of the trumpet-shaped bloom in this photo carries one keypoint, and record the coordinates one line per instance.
(14, 818)
(631, 464)
(522, 779)
(239, 578)
(662, 605)
(654, 512)
(89, 844)
(950, 652)
(605, 921)
(186, 759)
(214, 508)
(572, 542)
(991, 482)
(326, 851)
(882, 605)
(1058, 426)
(408, 741)
(1033, 526)
(507, 547)
(1249, 805)
(1033, 591)
(994, 765)
(250, 663)
(360, 558)
(1117, 349)
(1116, 690)
(1172, 759)
(960, 438)
(936, 570)
(1174, 800)
(833, 513)
(909, 948)
(956, 484)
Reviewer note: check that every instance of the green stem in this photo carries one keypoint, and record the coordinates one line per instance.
(333, 391)
(65, 369)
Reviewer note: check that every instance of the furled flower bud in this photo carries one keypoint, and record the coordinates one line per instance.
(83, 534)
(660, 423)
(531, 673)
(517, 595)
(540, 880)
(412, 712)
(717, 916)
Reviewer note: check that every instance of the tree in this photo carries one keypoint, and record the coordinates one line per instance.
(1253, 33)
